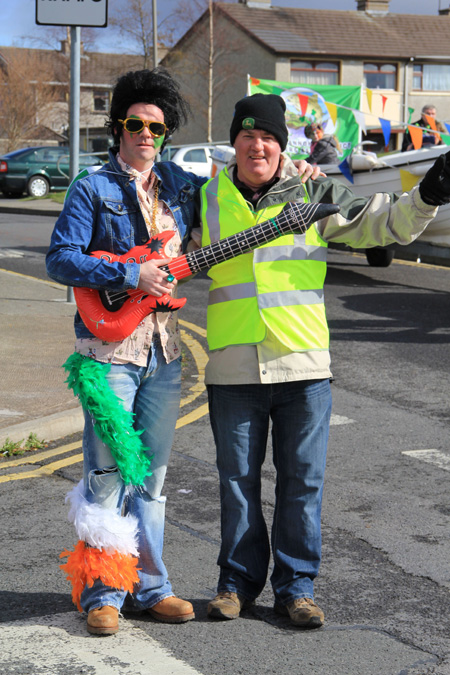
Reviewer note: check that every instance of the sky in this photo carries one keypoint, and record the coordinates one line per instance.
(18, 17)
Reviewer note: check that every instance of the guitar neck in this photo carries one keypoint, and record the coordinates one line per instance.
(289, 220)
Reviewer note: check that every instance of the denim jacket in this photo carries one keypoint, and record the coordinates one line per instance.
(102, 213)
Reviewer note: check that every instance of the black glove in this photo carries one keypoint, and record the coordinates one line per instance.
(434, 187)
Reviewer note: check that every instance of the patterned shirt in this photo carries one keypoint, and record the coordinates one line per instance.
(136, 347)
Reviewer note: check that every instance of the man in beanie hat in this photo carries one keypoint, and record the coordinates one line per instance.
(261, 111)
(269, 359)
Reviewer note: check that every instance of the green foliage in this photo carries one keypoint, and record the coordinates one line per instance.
(11, 448)
(34, 443)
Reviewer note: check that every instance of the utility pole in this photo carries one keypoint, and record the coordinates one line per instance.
(210, 70)
(155, 34)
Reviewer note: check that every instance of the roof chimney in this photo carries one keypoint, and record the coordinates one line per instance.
(257, 4)
(378, 7)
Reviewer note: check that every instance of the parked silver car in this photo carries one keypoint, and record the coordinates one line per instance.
(194, 158)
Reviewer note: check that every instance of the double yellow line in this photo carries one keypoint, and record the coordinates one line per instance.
(200, 357)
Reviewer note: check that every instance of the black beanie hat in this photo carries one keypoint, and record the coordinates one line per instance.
(261, 111)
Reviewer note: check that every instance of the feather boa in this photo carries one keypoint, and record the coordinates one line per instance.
(100, 527)
(85, 564)
(112, 423)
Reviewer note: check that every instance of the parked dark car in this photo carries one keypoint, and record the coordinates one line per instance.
(38, 170)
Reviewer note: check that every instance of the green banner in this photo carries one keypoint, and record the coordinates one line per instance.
(306, 103)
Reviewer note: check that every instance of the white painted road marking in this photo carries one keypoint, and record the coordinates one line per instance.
(52, 643)
(431, 457)
(11, 253)
(336, 420)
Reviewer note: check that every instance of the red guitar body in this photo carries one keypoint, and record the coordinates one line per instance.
(113, 315)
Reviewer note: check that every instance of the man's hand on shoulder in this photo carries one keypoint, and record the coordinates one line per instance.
(306, 170)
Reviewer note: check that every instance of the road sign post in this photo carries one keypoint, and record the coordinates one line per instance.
(73, 13)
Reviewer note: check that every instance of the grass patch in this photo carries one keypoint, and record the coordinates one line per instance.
(12, 448)
(57, 197)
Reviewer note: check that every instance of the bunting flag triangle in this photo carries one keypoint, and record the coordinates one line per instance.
(384, 99)
(332, 109)
(360, 119)
(410, 110)
(303, 103)
(346, 170)
(369, 98)
(447, 126)
(386, 126)
(408, 180)
(430, 121)
(416, 134)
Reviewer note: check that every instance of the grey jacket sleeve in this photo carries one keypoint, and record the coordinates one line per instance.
(364, 222)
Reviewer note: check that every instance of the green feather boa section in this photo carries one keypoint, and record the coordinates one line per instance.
(112, 423)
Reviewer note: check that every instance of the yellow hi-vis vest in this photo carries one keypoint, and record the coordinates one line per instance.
(277, 286)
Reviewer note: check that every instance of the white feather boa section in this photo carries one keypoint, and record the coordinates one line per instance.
(102, 528)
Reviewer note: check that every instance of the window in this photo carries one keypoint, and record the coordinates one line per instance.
(101, 101)
(60, 93)
(168, 153)
(47, 155)
(197, 155)
(380, 75)
(431, 77)
(314, 72)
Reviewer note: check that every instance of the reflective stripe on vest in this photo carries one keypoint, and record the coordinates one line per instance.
(278, 286)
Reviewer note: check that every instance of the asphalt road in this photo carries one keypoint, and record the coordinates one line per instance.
(385, 580)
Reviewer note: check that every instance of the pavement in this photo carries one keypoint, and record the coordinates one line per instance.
(36, 338)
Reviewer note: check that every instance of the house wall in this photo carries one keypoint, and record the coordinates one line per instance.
(237, 56)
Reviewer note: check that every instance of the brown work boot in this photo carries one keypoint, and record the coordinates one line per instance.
(103, 620)
(227, 605)
(303, 612)
(172, 610)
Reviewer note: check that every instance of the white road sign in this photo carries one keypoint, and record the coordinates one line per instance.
(72, 12)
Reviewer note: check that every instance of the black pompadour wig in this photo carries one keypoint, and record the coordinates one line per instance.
(156, 87)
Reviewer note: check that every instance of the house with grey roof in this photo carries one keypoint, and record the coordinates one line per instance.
(98, 73)
(403, 59)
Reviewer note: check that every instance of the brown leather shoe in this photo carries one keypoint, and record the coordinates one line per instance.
(172, 610)
(103, 620)
(303, 613)
(227, 605)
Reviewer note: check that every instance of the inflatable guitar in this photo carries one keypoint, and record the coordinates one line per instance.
(113, 315)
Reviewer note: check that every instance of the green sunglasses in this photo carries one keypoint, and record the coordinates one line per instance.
(134, 125)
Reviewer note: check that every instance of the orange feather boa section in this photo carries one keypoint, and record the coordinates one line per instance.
(86, 564)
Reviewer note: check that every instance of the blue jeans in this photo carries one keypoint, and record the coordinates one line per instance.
(153, 394)
(300, 414)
